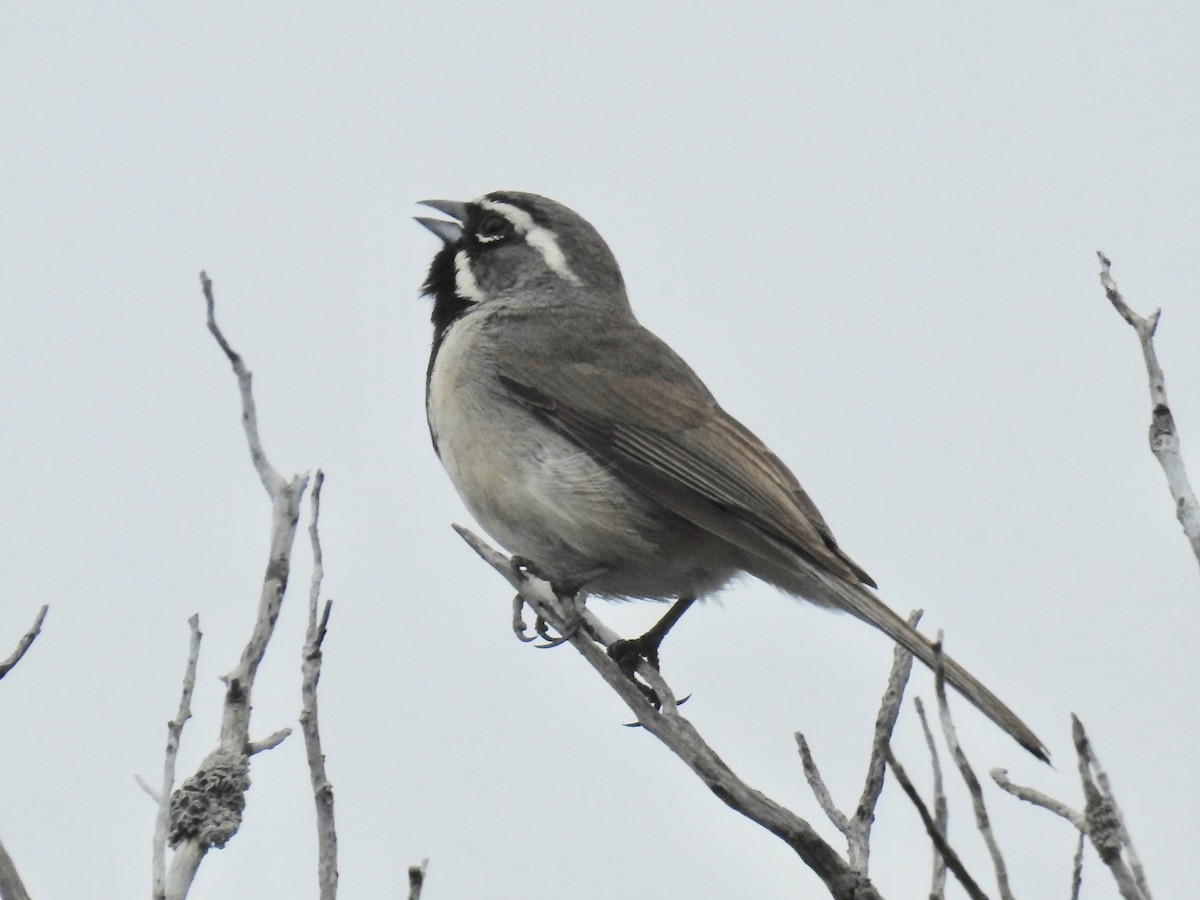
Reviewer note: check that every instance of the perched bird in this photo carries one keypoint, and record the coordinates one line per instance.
(586, 446)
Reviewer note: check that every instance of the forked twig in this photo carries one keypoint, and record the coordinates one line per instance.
(1164, 438)
(857, 828)
(206, 810)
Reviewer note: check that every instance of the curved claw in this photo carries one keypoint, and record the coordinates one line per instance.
(543, 629)
(518, 621)
(678, 703)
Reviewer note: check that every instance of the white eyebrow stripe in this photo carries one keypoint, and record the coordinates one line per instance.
(465, 284)
(540, 239)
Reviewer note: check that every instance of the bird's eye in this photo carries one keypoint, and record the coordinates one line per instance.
(494, 228)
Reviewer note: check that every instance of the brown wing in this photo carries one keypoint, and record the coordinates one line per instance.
(621, 393)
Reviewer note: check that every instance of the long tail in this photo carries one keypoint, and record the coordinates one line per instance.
(866, 607)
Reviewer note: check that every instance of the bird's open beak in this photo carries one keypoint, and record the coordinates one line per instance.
(449, 232)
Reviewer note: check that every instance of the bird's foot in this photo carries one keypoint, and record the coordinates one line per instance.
(627, 653)
(542, 628)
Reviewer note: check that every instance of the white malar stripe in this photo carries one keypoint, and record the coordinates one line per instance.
(540, 239)
(465, 284)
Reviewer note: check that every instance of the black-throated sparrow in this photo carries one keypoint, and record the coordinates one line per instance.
(583, 443)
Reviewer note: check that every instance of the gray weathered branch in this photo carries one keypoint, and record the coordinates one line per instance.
(941, 811)
(857, 828)
(26, 640)
(1105, 824)
(318, 624)
(174, 732)
(1164, 438)
(11, 886)
(1101, 820)
(589, 637)
(982, 822)
(935, 833)
(206, 810)
(416, 879)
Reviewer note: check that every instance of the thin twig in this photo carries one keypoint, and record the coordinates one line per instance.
(327, 872)
(1104, 825)
(820, 790)
(968, 774)
(11, 886)
(1135, 863)
(271, 479)
(208, 810)
(1164, 438)
(960, 871)
(150, 792)
(174, 732)
(588, 635)
(941, 811)
(1037, 798)
(1077, 866)
(416, 879)
(270, 742)
(26, 639)
(857, 829)
(859, 843)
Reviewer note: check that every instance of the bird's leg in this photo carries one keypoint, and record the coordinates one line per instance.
(627, 653)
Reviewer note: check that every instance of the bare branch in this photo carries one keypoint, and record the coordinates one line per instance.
(587, 635)
(939, 840)
(174, 733)
(1105, 826)
(26, 640)
(857, 829)
(1077, 866)
(1037, 798)
(1102, 782)
(270, 742)
(271, 479)
(327, 873)
(11, 886)
(416, 879)
(1164, 439)
(885, 723)
(150, 792)
(206, 810)
(968, 775)
(941, 812)
(817, 784)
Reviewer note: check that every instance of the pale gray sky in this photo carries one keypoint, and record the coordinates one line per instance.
(872, 230)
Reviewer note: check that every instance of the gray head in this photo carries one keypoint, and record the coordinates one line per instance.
(518, 249)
